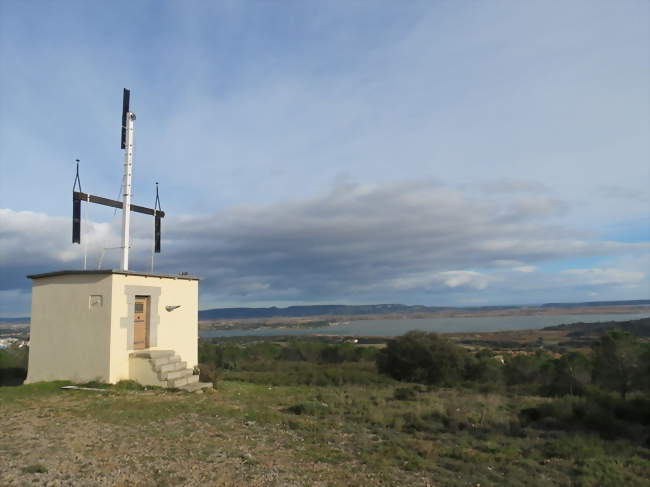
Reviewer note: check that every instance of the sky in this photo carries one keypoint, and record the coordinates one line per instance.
(453, 153)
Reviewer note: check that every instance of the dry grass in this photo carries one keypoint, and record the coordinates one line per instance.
(261, 435)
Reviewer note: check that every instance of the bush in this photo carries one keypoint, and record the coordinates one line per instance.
(405, 393)
(574, 446)
(423, 357)
(482, 368)
(602, 412)
(619, 361)
(13, 365)
(527, 369)
(571, 374)
(311, 408)
(209, 373)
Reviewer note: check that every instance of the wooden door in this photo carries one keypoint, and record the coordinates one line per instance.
(141, 323)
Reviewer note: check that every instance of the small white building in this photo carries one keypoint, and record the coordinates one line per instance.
(110, 325)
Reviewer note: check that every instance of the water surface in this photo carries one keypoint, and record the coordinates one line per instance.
(437, 325)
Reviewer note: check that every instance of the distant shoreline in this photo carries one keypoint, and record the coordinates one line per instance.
(322, 321)
(334, 320)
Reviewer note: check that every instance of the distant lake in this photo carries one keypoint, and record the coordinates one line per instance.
(437, 325)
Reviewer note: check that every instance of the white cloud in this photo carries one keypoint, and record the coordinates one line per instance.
(469, 279)
(600, 277)
(366, 243)
(434, 282)
(525, 268)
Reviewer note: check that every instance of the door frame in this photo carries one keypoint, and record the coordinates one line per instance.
(147, 321)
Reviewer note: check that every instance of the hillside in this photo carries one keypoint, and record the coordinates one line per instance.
(640, 328)
(393, 309)
(342, 310)
(311, 310)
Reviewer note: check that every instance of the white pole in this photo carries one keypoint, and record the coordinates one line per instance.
(85, 225)
(101, 258)
(126, 185)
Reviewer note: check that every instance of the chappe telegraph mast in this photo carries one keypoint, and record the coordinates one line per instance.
(128, 119)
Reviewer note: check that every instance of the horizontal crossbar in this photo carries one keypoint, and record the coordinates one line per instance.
(78, 195)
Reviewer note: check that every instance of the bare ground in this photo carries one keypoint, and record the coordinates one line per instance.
(86, 438)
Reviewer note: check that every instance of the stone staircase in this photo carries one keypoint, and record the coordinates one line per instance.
(167, 370)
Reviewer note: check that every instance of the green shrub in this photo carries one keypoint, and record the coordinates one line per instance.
(484, 369)
(13, 365)
(311, 408)
(574, 446)
(604, 471)
(602, 412)
(619, 362)
(405, 393)
(527, 369)
(129, 385)
(423, 357)
(209, 373)
(570, 374)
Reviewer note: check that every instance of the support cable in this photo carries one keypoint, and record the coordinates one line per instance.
(77, 180)
(156, 228)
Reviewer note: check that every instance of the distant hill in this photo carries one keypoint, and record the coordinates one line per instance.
(16, 321)
(375, 309)
(312, 310)
(365, 309)
(640, 328)
(591, 304)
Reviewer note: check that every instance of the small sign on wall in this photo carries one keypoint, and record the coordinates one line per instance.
(95, 301)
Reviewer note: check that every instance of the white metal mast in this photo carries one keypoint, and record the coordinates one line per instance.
(126, 143)
(126, 185)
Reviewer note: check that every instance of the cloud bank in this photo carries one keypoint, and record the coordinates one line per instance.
(412, 241)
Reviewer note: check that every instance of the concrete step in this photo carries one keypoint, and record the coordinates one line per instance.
(175, 374)
(167, 359)
(171, 366)
(183, 381)
(152, 353)
(196, 386)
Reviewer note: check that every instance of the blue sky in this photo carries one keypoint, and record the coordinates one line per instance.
(449, 153)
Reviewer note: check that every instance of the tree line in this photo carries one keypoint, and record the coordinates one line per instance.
(618, 361)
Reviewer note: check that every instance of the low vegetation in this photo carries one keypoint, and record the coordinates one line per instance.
(13, 365)
(420, 411)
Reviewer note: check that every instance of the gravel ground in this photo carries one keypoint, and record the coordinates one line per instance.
(70, 439)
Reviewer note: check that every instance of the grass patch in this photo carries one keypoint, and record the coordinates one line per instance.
(311, 408)
(313, 414)
(17, 396)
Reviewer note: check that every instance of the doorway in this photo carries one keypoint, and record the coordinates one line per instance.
(141, 323)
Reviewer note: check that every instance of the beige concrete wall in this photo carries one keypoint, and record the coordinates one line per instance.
(141, 371)
(168, 330)
(69, 334)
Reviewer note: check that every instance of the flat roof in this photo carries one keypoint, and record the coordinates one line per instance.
(110, 271)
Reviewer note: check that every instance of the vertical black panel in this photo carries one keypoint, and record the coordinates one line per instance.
(126, 97)
(76, 221)
(157, 236)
